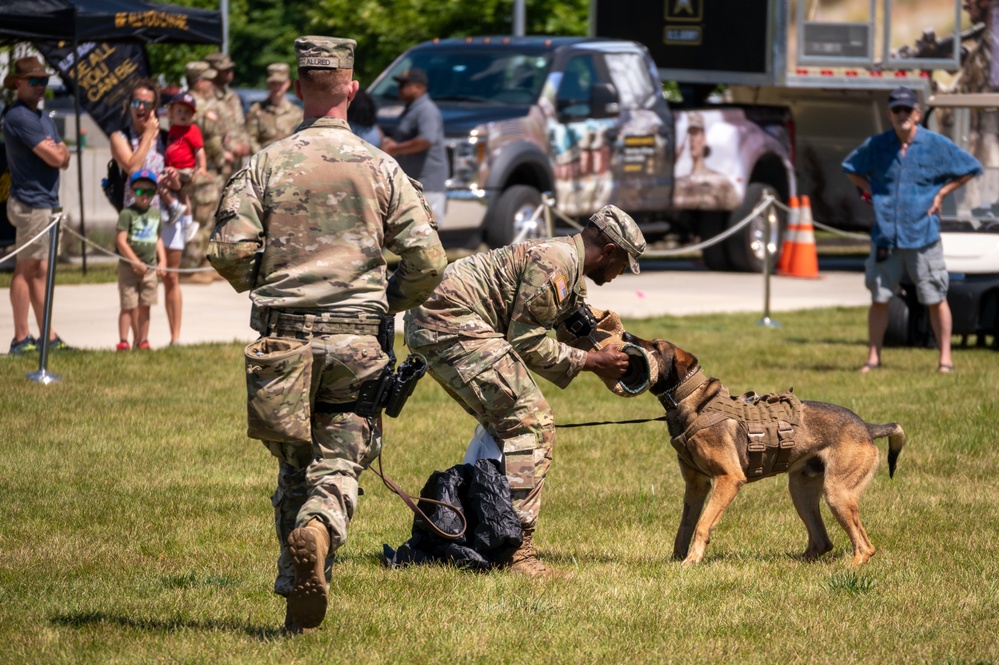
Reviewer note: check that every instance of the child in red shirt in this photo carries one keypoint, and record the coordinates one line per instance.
(185, 151)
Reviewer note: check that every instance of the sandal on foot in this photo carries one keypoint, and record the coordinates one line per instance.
(869, 367)
(944, 368)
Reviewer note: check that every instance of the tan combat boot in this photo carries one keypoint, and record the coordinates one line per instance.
(525, 560)
(309, 546)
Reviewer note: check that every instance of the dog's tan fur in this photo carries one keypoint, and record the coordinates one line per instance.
(834, 455)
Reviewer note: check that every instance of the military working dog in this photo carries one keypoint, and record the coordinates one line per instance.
(825, 449)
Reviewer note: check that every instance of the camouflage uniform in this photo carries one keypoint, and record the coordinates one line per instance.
(320, 207)
(230, 110)
(267, 123)
(983, 140)
(485, 330)
(205, 190)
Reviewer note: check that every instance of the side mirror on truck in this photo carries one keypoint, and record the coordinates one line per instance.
(603, 101)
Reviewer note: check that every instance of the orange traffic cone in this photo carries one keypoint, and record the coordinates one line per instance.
(804, 261)
(792, 230)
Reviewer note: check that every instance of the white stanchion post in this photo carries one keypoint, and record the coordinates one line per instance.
(770, 248)
(43, 375)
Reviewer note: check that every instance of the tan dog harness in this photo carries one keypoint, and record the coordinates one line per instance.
(769, 423)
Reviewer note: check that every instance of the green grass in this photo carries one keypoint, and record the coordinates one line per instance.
(136, 526)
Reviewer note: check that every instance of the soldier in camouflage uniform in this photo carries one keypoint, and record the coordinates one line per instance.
(275, 117)
(303, 227)
(484, 330)
(205, 189)
(234, 138)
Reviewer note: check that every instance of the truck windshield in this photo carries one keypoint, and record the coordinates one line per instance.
(486, 76)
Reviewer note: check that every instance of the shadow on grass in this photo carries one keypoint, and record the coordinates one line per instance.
(84, 619)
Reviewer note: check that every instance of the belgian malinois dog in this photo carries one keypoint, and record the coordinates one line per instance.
(831, 452)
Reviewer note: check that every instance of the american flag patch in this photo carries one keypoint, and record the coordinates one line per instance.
(561, 289)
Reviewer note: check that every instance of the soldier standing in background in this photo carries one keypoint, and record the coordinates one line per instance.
(275, 117)
(204, 189)
(234, 139)
(320, 291)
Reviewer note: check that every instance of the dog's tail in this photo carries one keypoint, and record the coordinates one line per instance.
(896, 439)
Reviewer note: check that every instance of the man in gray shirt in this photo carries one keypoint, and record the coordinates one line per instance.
(418, 140)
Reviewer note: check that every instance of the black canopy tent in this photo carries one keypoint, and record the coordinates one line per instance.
(82, 21)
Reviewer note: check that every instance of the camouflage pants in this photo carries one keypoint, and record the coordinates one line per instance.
(507, 402)
(320, 481)
(205, 194)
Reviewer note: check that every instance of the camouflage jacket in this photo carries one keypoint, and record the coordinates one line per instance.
(321, 206)
(266, 123)
(206, 117)
(518, 293)
(231, 118)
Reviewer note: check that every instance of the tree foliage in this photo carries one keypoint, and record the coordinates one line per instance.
(264, 31)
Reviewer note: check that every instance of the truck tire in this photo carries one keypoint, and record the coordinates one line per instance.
(746, 249)
(908, 322)
(511, 215)
(712, 223)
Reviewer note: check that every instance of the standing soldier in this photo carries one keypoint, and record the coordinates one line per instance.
(230, 108)
(321, 296)
(204, 189)
(275, 117)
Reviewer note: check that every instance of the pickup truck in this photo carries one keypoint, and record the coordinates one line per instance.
(586, 119)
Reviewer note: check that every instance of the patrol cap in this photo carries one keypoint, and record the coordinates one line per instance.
(199, 70)
(219, 61)
(278, 72)
(142, 174)
(622, 229)
(695, 120)
(317, 52)
(902, 96)
(414, 75)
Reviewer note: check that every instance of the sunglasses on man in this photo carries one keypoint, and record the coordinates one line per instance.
(38, 80)
(142, 191)
(142, 104)
(898, 110)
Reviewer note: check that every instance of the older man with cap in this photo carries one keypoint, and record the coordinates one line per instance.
(35, 153)
(484, 330)
(906, 172)
(303, 227)
(275, 117)
(418, 139)
(234, 137)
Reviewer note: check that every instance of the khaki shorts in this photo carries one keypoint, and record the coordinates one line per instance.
(29, 222)
(924, 266)
(134, 290)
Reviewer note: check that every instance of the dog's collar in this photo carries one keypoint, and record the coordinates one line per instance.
(681, 391)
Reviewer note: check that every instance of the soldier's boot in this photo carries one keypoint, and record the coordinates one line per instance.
(525, 561)
(308, 546)
(292, 627)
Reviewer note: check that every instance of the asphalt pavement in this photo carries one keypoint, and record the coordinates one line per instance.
(86, 316)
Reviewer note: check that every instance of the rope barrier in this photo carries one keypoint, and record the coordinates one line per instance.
(55, 220)
(136, 263)
(824, 227)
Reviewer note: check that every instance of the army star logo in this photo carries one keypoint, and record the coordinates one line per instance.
(561, 288)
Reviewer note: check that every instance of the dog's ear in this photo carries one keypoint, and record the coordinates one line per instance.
(683, 362)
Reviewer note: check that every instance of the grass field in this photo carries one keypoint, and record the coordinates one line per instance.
(135, 523)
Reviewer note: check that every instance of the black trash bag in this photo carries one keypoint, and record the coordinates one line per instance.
(492, 533)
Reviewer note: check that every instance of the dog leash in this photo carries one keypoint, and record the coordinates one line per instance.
(613, 422)
(408, 500)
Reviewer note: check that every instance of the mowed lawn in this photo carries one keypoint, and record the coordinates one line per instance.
(136, 524)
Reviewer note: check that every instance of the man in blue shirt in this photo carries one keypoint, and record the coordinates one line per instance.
(35, 154)
(418, 140)
(906, 172)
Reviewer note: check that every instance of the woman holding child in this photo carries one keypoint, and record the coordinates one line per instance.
(141, 145)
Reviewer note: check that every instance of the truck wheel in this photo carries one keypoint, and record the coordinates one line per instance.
(908, 322)
(511, 218)
(746, 249)
(712, 223)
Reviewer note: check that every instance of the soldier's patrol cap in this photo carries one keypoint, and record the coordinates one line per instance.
(695, 120)
(199, 70)
(316, 52)
(278, 72)
(622, 229)
(219, 61)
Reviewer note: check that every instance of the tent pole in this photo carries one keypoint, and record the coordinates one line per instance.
(79, 148)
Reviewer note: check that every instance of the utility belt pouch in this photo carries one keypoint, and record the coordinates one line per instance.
(581, 322)
(278, 382)
(403, 383)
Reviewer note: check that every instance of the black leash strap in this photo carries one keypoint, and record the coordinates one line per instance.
(614, 422)
(408, 500)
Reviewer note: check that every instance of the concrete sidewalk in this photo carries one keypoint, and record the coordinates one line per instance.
(86, 316)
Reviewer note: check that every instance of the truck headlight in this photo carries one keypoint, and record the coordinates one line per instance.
(467, 156)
